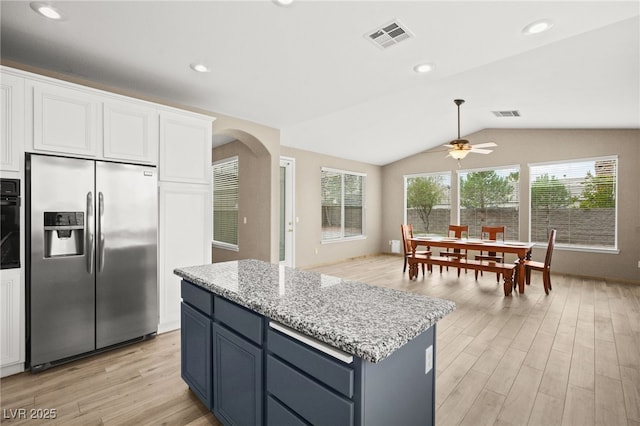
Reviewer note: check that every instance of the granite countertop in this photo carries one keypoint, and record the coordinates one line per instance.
(363, 320)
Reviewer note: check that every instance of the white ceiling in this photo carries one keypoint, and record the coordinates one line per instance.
(309, 70)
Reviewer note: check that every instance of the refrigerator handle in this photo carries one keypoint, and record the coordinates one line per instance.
(89, 234)
(100, 233)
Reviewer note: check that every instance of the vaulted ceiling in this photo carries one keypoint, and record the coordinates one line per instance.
(311, 70)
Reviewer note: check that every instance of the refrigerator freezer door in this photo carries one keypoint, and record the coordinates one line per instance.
(126, 252)
(61, 285)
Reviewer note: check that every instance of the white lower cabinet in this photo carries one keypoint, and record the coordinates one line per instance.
(11, 322)
(185, 239)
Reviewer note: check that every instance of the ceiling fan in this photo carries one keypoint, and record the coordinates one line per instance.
(459, 148)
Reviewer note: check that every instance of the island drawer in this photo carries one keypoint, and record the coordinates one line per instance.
(197, 297)
(279, 415)
(310, 400)
(239, 319)
(335, 374)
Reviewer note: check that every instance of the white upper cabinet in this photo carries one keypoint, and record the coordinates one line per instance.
(185, 148)
(130, 132)
(11, 122)
(65, 120)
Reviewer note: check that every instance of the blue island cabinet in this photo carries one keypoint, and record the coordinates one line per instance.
(250, 370)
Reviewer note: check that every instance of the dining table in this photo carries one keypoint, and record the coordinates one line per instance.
(520, 248)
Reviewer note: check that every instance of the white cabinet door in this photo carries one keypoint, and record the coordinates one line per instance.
(11, 122)
(185, 148)
(130, 132)
(185, 239)
(11, 325)
(65, 120)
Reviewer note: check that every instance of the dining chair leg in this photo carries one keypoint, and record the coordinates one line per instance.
(458, 272)
(498, 277)
(405, 265)
(440, 269)
(476, 273)
(549, 280)
(527, 275)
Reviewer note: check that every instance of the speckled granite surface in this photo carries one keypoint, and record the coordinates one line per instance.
(364, 320)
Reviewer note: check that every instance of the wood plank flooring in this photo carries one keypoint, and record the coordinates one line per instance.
(572, 357)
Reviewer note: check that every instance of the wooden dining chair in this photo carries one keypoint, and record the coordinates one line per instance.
(407, 233)
(456, 231)
(492, 233)
(545, 267)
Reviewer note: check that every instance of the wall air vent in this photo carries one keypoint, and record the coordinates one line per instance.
(388, 35)
(513, 113)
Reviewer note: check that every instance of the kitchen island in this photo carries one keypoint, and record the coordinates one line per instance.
(266, 344)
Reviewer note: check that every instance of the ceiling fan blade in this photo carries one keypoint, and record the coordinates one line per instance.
(481, 151)
(484, 145)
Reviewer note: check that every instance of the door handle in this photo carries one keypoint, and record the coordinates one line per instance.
(88, 237)
(100, 232)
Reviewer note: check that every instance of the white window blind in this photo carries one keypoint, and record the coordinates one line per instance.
(579, 199)
(342, 204)
(225, 203)
(428, 203)
(490, 197)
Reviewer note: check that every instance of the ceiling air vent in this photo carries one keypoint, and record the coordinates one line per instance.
(388, 35)
(513, 113)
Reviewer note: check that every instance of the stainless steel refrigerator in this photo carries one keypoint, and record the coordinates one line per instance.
(91, 256)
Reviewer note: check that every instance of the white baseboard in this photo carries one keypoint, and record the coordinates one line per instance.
(10, 370)
(168, 326)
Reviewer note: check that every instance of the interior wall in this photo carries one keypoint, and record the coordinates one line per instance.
(264, 142)
(253, 204)
(519, 148)
(310, 250)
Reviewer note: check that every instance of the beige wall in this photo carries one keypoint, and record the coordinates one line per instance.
(308, 236)
(253, 204)
(521, 147)
(264, 144)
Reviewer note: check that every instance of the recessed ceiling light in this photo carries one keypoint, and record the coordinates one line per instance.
(423, 68)
(537, 27)
(199, 68)
(46, 10)
(283, 2)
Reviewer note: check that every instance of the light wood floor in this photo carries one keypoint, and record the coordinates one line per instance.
(572, 357)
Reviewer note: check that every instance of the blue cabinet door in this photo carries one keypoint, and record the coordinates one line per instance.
(196, 353)
(237, 371)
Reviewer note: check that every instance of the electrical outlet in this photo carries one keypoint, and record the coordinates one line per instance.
(428, 359)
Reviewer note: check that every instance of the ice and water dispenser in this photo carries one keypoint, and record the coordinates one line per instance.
(63, 234)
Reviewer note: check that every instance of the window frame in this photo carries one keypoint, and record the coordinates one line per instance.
(580, 248)
(223, 244)
(342, 238)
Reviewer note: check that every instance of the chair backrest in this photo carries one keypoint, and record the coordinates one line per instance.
(492, 232)
(456, 231)
(407, 232)
(552, 242)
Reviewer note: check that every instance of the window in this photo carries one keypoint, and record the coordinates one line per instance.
(490, 197)
(342, 204)
(579, 199)
(428, 203)
(225, 203)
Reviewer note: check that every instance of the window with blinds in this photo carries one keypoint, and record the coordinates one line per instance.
(428, 203)
(490, 197)
(225, 203)
(342, 204)
(579, 199)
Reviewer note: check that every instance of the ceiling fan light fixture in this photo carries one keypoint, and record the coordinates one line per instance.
(283, 3)
(458, 154)
(537, 27)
